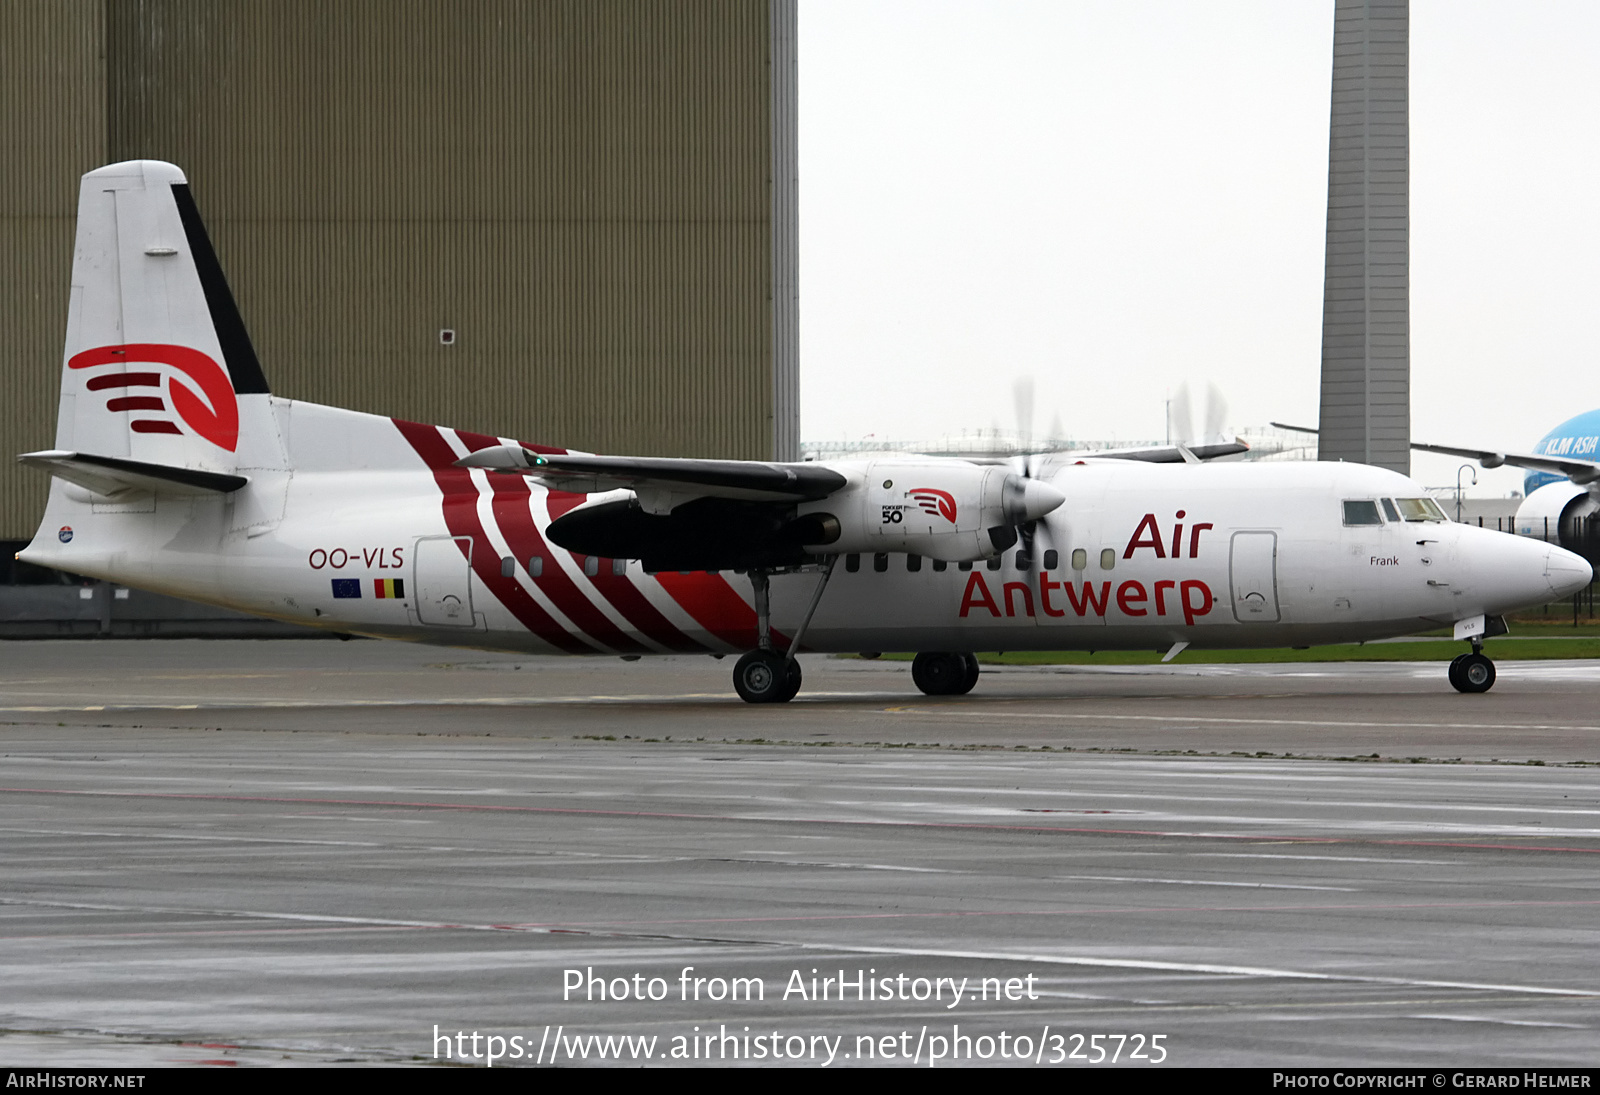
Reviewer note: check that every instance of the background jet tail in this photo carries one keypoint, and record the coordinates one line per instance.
(157, 357)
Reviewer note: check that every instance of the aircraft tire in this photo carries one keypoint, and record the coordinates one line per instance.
(764, 677)
(792, 688)
(971, 662)
(1473, 673)
(939, 674)
(1454, 673)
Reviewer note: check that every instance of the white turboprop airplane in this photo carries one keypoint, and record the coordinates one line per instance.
(176, 470)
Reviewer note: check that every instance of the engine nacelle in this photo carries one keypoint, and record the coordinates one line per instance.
(945, 509)
(1565, 514)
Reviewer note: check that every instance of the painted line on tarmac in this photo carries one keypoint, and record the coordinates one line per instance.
(1219, 969)
(1189, 720)
(464, 701)
(967, 711)
(1151, 965)
(766, 819)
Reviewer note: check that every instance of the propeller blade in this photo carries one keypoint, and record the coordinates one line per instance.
(1216, 414)
(1181, 416)
(1022, 395)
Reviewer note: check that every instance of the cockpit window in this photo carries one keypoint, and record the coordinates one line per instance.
(1389, 510)
(1361, 513)
(1419, 509)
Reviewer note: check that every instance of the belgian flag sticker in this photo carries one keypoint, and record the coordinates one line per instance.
(388, 588)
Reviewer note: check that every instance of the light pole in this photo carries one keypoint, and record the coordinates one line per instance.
(1462, 468)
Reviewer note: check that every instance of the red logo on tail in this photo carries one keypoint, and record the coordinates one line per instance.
(215, 418)
(935, 503)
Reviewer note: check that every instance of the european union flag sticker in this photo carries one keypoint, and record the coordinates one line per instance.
(347, 587)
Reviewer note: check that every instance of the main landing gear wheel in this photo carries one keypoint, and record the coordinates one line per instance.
(1472, 673)
(943, 674)
(764, 677)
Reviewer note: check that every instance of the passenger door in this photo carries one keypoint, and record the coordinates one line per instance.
(1253, 576)
(442, 571)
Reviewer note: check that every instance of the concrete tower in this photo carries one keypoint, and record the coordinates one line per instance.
(1366, 327)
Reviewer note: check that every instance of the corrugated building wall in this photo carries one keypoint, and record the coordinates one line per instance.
(52, 129)
(583, 191)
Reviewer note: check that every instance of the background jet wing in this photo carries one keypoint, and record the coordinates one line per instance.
(1581, 472)
(662, 482)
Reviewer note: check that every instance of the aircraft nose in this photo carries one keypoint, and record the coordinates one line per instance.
(1567, 572)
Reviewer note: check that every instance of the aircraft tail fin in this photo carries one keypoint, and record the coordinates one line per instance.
(156, 353)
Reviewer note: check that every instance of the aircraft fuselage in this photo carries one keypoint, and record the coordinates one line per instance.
(1138, 557)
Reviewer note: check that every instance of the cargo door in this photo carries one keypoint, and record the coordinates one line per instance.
(1253, 574)
(442, 571)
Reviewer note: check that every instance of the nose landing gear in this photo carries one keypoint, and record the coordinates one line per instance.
(1475, 672)
(1472, 672)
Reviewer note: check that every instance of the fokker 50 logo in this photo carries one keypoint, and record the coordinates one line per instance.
(215, 418)
(935, 503)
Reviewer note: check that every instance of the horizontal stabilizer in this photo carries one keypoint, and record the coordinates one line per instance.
(112, 475)
(663, 482)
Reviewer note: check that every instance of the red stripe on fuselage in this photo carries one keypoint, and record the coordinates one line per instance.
(515, 521)
(460, 507)
(716, 607)
(632, 603)
(620, 591)
(510, 505)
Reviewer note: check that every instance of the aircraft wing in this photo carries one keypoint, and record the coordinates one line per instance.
(1581, 472)
(1156, 454)
(1172, 454)
(663, 482)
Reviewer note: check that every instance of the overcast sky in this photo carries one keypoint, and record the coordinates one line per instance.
(1117, 197)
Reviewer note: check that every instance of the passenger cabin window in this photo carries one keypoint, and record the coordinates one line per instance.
(993, 564)
(880, 562)
(535, 565)
(1389, 511)
(1361, 513)
(591, 565)
(913, 563)
(852, 563)
(1108, 558)
(619, 567)
(965, 564)
(1023, 562)
(940, 564)
(1080, 559)
(508, 567)
(1051, 559)
(1420, 509)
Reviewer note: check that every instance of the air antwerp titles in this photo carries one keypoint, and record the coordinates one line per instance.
(1167, 596)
